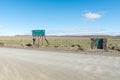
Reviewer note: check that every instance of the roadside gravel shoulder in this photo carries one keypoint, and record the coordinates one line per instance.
(88, 52)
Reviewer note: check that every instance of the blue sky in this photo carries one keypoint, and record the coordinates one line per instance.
(60, 17)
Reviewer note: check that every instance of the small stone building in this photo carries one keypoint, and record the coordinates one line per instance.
(99, 43)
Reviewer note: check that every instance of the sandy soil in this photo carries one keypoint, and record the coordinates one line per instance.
(26, 64)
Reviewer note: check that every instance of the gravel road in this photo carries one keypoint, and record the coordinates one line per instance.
(24, 64)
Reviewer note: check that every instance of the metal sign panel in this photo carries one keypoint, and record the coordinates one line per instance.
(38, 32)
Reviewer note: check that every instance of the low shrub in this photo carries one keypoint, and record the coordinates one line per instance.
(1, 43)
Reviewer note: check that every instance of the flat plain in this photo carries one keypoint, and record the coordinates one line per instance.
(55, 42)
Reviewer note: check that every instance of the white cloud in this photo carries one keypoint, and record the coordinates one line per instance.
(1, 26)
(92, 16)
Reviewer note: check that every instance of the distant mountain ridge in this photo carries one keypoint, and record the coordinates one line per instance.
(71, 36)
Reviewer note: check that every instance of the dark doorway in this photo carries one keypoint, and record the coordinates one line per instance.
(99, 43)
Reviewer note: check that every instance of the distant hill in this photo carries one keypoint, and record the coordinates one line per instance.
(87, 36)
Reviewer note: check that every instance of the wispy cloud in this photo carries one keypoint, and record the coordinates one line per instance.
(92, 16)
(87, 31)
(1, 26)
(76, 32)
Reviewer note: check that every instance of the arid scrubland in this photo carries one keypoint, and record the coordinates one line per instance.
(57, 42)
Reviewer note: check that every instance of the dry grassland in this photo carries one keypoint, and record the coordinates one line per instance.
(55, 42)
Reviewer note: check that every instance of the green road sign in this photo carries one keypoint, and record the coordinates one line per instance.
(38, 32)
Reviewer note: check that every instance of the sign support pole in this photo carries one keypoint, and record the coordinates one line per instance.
(42, 40)
(40, 36)
(46, 40)
(38, 42)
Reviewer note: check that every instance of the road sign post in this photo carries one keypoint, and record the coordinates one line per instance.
(40, 34)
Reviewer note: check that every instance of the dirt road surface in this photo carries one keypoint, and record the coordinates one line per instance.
(23, 64)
